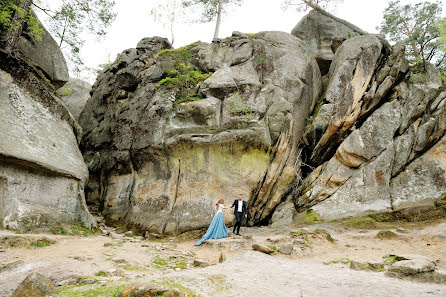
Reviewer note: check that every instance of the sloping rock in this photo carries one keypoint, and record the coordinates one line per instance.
(423, 181)
(75, 94)
(356, 180)
(36, 285)
(163, 163)
(324, 35)
(46, 55)
(42, 172)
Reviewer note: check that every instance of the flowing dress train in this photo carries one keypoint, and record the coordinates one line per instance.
(217, 228)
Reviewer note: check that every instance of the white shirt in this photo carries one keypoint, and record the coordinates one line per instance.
(220, 208)
(240, 205)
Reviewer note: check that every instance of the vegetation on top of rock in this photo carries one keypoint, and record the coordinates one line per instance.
(185, 78)
(420, 27)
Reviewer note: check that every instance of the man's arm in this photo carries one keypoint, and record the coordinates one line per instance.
(233, 204)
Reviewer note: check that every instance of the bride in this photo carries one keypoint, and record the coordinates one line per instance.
(217, 229)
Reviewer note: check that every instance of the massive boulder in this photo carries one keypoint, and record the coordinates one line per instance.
(42, 172)
(161, 152)
(75, 94)
(324, 34)
(46, 55)
(377, 141)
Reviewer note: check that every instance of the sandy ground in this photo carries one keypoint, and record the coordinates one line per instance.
(245, 272)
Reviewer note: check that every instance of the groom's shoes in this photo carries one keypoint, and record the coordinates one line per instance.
(238, 234)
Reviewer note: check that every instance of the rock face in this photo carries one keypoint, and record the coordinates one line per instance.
(377, 141)
(36, 285)
(42, 173)
(46, 55)
(75, 94)
(162, 153)
(323, 35)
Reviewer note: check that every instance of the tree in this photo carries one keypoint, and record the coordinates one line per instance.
(302, 5)
(67, 23)
(211, 9)
(418, 26)
(168, 13)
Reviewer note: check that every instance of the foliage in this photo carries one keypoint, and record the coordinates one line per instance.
(74, 18)
(44, 242)
(81, 230)
(302, 5)
(168, 13)
(67, 22)
(419, 26)
(58, 230)
(184, 79)
(238, 107)
(8, 8)
(210, 9)
(311, 217)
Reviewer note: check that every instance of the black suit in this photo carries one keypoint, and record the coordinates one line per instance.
(238, 215)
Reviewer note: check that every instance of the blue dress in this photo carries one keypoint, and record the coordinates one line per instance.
(217, 229)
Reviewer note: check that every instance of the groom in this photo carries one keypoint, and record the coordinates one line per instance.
(239, 211)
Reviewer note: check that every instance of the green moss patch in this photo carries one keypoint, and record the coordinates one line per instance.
(311, 217)
(361, 223)
(185, 77)
(386, 234)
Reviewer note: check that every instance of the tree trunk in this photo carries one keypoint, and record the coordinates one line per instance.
(12, 36)
(217, 25)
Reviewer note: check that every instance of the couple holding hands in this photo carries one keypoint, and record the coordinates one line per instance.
(217, 228)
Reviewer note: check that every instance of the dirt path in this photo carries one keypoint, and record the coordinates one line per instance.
(122, 260)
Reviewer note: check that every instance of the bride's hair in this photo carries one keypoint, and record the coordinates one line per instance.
(221, 201)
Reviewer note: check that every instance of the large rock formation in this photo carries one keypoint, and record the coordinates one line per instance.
(377, 139)
(42, 172)
(167, 134)
(324, 34)
(75, 94)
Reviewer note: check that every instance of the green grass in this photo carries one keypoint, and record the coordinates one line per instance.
(185, 76)
(101, 274)
(390, 259)
(81, 230)
(58, 230)
(44, 242)
(174, 285)
(311, 217)
(94, 290)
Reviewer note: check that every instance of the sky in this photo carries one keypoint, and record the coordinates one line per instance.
(134, 22)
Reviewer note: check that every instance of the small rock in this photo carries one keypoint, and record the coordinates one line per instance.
(200, 263)
(366, 266)
(11, 265)
(262, 248)
(86, 281)
(286, 249)
(410, 267)
(108, 244)
(98, 219)
(386, 235)
(222, 257)
(114, 235)
(119, 272)
(402, 230)
(36, 285)
(119, 261)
